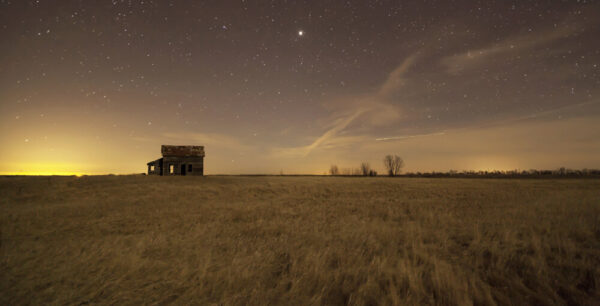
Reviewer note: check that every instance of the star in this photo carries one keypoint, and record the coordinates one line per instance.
(300, 33)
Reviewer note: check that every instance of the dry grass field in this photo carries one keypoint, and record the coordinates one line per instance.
(299, 241)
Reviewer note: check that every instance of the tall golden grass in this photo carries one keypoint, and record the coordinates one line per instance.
(299, 241)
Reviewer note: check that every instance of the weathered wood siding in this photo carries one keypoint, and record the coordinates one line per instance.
(182, 151)
(197, 164)
(174, 157)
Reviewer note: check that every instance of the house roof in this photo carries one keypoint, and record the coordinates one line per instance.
(182, 151)
(154, 162)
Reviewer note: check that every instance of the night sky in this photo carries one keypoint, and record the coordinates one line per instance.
(92, 87)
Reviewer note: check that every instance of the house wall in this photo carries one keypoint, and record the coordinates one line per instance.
(196, 162)
(157, 167)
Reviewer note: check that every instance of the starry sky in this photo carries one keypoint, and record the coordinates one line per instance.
(95, 87)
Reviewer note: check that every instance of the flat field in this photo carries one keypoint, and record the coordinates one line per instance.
(299, 240)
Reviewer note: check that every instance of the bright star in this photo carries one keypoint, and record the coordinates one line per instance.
(300, 33)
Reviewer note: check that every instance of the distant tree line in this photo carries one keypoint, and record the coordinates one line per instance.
(393, 165)
(363, 170)
(532, 173)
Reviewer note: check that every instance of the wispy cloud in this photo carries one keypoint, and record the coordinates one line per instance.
(373, 109)
(396, 79)
(575, 110)
(456, 63)
(339, 125)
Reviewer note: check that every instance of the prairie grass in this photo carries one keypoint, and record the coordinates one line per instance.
(299, 241)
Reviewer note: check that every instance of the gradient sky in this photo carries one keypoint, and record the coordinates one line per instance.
(295, 86)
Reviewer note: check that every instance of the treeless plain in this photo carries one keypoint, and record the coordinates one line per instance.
(299, 240)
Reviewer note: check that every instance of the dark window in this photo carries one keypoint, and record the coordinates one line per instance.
(189, 168)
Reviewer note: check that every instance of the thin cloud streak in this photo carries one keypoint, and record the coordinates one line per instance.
(410, 136)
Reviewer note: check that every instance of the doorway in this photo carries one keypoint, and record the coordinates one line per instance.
(183, 169)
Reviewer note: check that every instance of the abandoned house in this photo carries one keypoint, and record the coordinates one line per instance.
(178, 160)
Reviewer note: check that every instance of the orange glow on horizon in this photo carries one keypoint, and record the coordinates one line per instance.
(46, 169)
(61, 173)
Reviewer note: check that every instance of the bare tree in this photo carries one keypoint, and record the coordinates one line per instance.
(333, 170)
(388, 162)
(365, 169)
(398, 164)
(393, 164)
